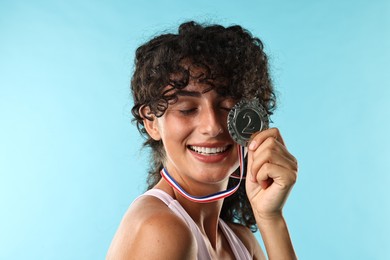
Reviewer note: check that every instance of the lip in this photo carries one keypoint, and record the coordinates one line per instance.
(215, 158)
(211, 145)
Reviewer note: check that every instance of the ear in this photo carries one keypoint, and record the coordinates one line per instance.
(150, 123)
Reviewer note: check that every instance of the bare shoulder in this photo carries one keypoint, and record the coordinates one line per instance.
(248, 239)
(150, 230)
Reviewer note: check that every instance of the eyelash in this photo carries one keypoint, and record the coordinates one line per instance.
(187, 111)
(193, 110)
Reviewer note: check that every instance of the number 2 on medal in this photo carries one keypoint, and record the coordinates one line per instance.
(249, 128)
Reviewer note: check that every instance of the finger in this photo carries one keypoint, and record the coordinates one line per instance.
(271, 174)
(272, 144)
(259, 137)
(249, 166)
(272, 157)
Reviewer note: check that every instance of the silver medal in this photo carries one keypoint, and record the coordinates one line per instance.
(246, 118)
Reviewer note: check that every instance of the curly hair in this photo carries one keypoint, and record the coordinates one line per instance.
(233, 63)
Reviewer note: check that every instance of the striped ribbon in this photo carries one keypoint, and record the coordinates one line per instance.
(212, 197)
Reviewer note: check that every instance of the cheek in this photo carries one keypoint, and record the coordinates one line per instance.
(175, 128)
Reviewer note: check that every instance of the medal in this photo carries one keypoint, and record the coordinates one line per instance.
(246, 118)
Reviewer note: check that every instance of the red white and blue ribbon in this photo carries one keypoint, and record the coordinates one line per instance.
(212, 197)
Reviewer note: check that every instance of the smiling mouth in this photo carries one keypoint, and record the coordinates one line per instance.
(209, 150)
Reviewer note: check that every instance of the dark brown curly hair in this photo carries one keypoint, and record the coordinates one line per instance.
(233, 63)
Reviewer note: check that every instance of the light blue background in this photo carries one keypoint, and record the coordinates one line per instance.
(70, 159)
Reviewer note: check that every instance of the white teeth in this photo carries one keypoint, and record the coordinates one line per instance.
(208, 150)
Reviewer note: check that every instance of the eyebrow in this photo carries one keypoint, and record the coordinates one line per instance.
(187, 93)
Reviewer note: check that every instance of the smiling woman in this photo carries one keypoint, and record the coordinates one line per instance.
(183, 87)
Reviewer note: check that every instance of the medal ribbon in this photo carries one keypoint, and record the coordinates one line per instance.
(212, 197)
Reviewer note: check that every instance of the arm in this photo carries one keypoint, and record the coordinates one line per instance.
(152, 233)
(272, 172)
(276, 238)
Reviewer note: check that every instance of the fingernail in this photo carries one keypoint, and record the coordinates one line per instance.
(252, 145)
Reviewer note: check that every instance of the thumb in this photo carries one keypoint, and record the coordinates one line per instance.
(249, 173)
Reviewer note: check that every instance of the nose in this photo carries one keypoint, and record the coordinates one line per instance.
(211, 122)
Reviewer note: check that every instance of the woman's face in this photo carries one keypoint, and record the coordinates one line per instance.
(200, 153)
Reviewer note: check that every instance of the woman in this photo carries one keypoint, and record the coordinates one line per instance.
(184, 86)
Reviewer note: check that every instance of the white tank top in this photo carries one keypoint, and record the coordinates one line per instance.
(239, 250)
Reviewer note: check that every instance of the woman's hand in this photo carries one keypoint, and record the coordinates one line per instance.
(271, 174)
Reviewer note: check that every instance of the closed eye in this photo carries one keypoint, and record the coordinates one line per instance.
(226, 108)
(187, 111)
(227, 104)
